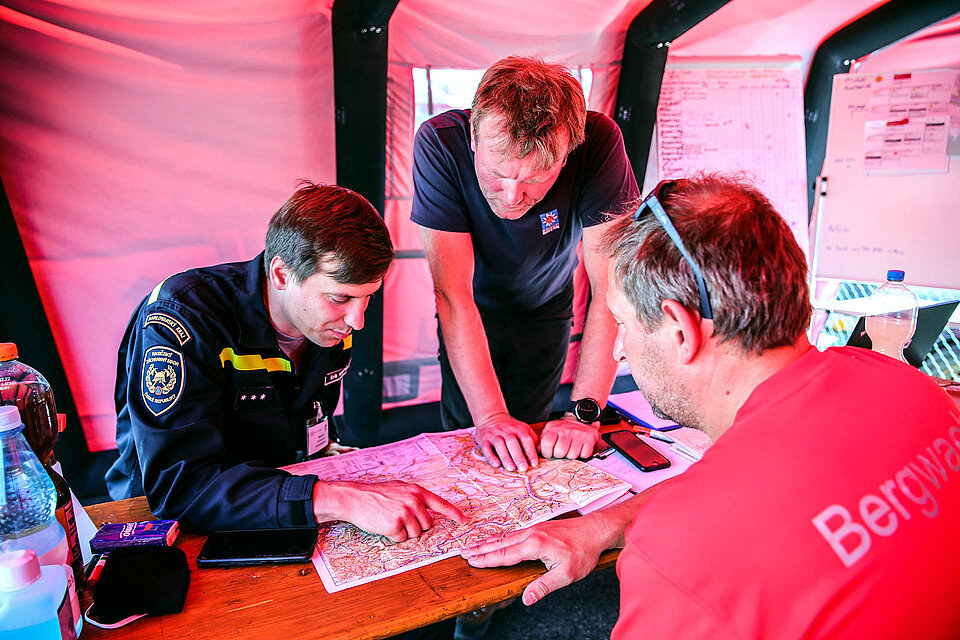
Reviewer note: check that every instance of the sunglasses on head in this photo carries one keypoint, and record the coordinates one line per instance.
(652, 203)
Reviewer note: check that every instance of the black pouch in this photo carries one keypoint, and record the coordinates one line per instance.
(137, 582)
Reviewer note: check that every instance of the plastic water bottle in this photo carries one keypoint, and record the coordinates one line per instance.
(28, 502)
(893, 316)
(34, 601)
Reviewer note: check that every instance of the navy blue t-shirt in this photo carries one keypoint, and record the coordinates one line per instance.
(519, 264)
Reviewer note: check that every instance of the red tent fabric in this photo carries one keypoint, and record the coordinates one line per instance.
(138, 139)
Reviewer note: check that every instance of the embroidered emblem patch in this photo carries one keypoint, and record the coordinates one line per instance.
(179, 331)
(549, 221)
(335, 376)
(162, 381)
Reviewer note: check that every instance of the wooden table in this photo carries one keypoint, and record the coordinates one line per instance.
(289, 601)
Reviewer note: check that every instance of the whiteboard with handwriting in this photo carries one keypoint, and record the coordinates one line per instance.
(905, 212)
(739, 114)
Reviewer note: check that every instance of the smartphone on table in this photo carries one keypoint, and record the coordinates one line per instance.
(641, 454)
(244, 547)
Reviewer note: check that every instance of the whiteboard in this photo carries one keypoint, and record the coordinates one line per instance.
(893, 191)
(737, 114)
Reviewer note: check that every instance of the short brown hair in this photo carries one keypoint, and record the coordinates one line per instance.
(331, 227)
(534, 102)
(755, 272)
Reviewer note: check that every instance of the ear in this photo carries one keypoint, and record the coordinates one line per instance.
(279, 273)
(684, 330)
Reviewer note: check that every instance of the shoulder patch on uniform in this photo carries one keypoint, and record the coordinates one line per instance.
(168, 321)
(162, 382)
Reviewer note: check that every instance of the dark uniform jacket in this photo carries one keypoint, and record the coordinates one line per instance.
(208, 404)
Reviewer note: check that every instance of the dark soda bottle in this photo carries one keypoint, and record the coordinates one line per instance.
(23, 386)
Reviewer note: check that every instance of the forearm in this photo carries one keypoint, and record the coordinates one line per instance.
(596, 368)
(608, 526)
(331, 500)
(469, 354)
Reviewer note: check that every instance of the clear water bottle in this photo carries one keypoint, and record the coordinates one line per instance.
(893, 316)
(23, 386)
(28, 502)
(34, 601)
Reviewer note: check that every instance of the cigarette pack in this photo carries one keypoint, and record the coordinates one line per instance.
(160, 533)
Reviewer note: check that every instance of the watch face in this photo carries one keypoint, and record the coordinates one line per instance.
(586, 410)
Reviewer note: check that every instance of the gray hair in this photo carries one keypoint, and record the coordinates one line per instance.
(754, 269)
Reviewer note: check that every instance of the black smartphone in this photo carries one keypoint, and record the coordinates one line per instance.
(645, 457)
(244, 547)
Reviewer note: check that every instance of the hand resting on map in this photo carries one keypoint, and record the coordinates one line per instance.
(570, 548)
(394, 509)
(507, 442)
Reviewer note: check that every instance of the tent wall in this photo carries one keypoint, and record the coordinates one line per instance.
(138, 139)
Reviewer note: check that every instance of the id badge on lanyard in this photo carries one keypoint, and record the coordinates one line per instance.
(318, 433)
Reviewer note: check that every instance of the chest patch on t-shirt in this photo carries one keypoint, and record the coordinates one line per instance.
(549, 221)
(162, 381)
(335, 376)
(255, 398)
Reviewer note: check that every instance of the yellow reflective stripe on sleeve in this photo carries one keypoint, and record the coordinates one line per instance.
(254, 362)
(156, 292)
(348, 342)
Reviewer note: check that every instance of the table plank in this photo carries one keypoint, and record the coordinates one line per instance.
(289, 601)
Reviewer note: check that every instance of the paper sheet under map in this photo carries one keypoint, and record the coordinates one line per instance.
(449, 464)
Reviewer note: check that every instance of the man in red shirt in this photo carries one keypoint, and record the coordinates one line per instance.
(829, 504)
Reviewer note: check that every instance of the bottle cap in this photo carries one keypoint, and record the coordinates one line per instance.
(9, 418)
(18, 569)
(8, 351)
(895, 275)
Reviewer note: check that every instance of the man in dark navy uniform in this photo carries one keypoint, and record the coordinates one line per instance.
(227, 372)
(503, 194)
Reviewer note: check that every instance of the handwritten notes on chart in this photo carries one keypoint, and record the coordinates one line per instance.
(737, 115)
(891, 187)
(908, 123)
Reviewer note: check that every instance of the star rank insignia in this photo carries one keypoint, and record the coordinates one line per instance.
(255, 398)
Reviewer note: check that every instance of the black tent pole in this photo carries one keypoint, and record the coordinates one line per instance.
(641, 71)
(360, 102)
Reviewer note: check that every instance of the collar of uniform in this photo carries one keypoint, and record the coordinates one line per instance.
(250, 311)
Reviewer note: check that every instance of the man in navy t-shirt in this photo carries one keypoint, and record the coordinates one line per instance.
(503, 193)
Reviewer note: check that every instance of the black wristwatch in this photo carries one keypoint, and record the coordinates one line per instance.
(586, 410)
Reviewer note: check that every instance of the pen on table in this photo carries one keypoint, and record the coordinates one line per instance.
(636, 428)
(662, 437)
